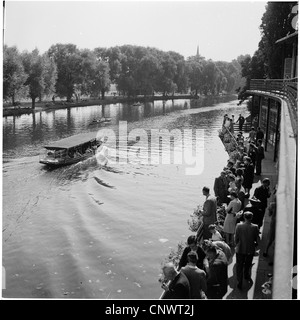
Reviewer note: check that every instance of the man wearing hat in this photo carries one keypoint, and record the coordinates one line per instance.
(246, 239)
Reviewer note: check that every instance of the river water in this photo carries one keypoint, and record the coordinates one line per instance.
(84, 231)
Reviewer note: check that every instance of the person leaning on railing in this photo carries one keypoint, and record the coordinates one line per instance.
(252, 135)
(176, 284)
(209, 212)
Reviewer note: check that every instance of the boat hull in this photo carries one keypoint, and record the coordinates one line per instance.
(64, 162)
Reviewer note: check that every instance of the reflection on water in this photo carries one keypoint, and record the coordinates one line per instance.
(84, 231)
(33, 130)
(24, 135)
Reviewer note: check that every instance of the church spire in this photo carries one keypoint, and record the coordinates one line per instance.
(197, 55)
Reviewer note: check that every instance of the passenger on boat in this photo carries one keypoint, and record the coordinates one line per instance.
(239, 175)
(77, 154)
(217, 280)
(215, 235)
(230, 219)
(226, 119)
(231, 127)
(221, 188)
(222, 245)
(88, 150)
(209, 212)
(231, 186)
(71, 154)
(230, 166)
(240, 191)
(226, 122)
(252, 153)
(192, 246)
(248, 174)
(240, 137)
(258, 214)
(196, 277)
(252, 136)
(179, 287)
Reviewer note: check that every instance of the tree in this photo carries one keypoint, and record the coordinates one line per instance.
(276, 24)
(195, 72)
(50, 75)
(127, 79)
(14, 76)
(210, 75)
(168, 73)
(69, 66)
(113, 56)
(181, 76)
(34, 67)
(101, 81)
(148, 69)
(252, 68)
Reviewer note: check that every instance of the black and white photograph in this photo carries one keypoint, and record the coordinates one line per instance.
(149, 152)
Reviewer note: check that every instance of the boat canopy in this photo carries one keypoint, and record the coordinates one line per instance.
(73, 141)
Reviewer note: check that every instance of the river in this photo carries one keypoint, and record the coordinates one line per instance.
(84, 231)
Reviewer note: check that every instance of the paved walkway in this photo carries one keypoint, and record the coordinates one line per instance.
(261, 267)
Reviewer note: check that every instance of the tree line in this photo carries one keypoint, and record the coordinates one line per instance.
(65, 71)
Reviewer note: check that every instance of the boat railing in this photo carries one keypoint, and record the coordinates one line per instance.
(283, 88)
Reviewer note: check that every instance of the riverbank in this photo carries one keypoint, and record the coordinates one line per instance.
(25, 108)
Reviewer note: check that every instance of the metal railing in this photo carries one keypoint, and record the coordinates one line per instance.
(285, 88)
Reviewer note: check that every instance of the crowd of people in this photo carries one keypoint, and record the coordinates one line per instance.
(203, 267)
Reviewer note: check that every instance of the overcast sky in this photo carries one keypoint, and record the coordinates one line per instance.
(222, 29)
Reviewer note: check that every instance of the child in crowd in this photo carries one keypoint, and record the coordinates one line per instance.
(216, 236)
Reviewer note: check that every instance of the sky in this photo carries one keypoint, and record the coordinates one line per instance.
(223, 30)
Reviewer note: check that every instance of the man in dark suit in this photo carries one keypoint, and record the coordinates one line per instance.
(260, 155)
(179, 286)
(246, 239)
(217, 279)
(263, 193)
(192, 246)
(259, 134)
(221, 188)
(241, 121)
(209, 212)
(248, 174)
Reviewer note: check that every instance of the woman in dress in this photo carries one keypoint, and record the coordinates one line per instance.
(230, 219)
